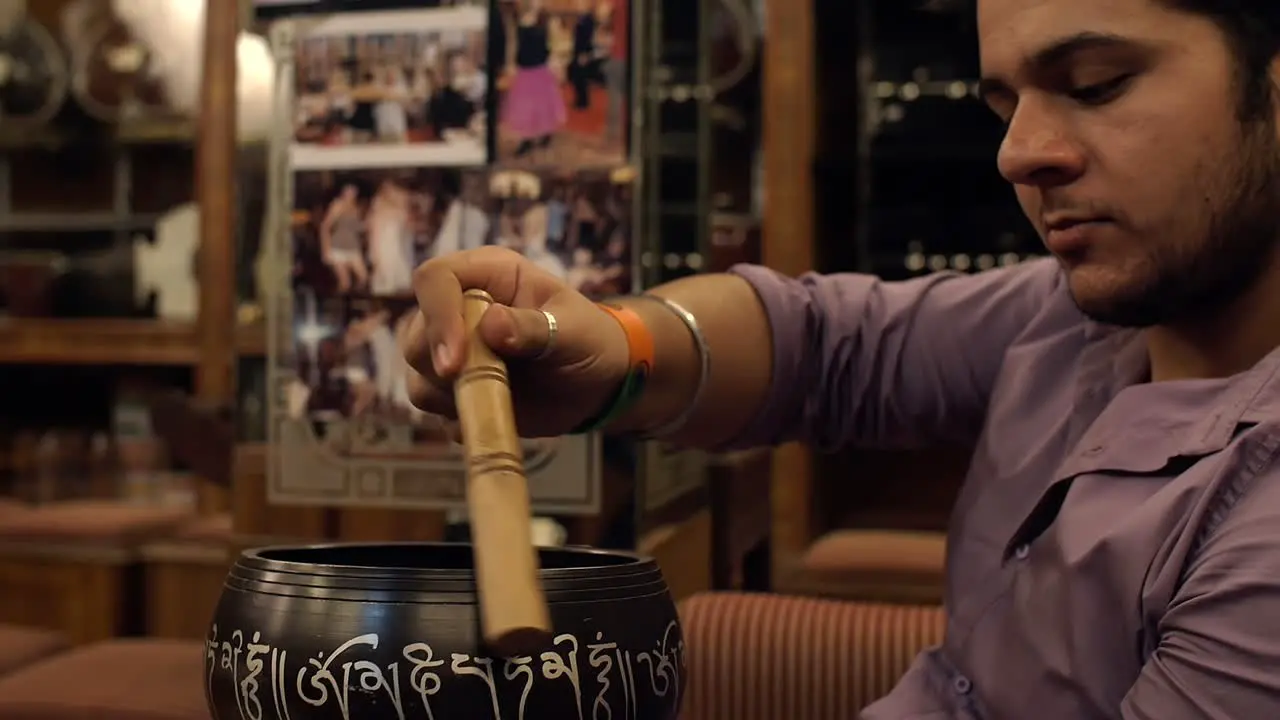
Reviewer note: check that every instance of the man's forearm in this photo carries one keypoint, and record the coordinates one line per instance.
(737, 333)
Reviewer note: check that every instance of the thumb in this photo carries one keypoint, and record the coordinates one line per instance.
(515, 332)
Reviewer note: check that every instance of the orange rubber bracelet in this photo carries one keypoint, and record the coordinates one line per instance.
(640, 345)
(640, 361)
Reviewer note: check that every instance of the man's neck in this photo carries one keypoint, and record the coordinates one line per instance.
(1224, 343)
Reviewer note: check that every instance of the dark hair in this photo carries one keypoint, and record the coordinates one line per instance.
(1252, 28)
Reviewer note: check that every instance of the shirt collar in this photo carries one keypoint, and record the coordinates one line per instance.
(1116, 358)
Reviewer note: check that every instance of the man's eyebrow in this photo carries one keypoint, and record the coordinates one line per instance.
(1056, 52)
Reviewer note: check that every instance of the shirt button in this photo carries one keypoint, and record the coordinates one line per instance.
(1022, 551)
(961, 685)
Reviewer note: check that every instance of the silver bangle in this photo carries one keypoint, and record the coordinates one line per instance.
(704, 355)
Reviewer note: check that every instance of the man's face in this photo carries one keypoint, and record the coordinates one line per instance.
(1128, 152)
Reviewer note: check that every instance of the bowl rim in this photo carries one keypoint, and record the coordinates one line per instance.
(255, 558)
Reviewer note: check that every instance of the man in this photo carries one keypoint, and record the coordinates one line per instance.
(1115, 552)
(584, 66)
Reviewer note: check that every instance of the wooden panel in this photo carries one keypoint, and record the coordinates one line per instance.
(76, 181)
(789, 132)
(617, 496)
(683, 551)
(739, 494)
(378, 525)
(182, 590)
(903, 490)
(111, 341)
(215, 171)
(255, 519)
(97, 342)
(87, 600)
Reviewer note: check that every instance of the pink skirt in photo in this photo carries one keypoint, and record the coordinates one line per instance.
(533, 106)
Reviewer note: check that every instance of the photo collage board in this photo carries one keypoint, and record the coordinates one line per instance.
(407, 135)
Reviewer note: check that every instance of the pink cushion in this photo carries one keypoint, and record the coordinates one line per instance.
(11, 508)
(21, 646)
(208, 529)
(128, 679)
(852, 552)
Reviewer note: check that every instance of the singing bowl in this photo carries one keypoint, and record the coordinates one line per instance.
(391, 631)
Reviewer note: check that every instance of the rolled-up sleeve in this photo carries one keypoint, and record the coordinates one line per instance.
(858, 360)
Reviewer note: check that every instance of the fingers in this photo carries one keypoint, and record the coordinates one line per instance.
(440, 342)
(430, 395)
(426, 390)
(504, 274)
(510, 332)
(515, 332)
(417, 345)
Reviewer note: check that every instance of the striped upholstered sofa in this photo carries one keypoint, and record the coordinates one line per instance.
(776, 657)
(859, 565)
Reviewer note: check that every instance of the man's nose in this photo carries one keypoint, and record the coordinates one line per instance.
(1038, 151)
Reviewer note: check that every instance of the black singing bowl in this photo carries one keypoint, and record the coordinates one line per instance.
(391, 632)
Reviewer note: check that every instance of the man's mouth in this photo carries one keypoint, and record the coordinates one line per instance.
(1072, 234)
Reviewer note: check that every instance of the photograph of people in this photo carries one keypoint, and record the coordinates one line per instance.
(342, 240)
(390, 239)
(389, 91)
(350, 363)
(351, 380)
(563, 85)
(371, 332)
(575, 226)
(332, 381)
(361, 232)
(532, 107)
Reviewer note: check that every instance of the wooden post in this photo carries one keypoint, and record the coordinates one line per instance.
(789, 135)
(216, 155)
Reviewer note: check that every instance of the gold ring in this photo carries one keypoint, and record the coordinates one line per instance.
(552, 329)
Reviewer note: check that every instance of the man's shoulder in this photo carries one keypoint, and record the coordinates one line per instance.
(1034, 284)
(1041, 286)
(1239, 516)
(1247, 490)
(1247, 419)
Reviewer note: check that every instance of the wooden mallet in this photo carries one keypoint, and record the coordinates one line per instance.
(513, 608)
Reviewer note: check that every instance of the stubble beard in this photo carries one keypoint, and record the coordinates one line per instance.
(1196, 281)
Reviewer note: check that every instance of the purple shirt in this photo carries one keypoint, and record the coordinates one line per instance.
(1115, 550)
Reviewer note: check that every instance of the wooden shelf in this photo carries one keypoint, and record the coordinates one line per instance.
(34, 139)
(141, 132)
(72, 222)
(111, 341)
(97, 341)
(156, 132)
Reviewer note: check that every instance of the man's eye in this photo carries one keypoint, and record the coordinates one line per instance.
(1100, 93)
